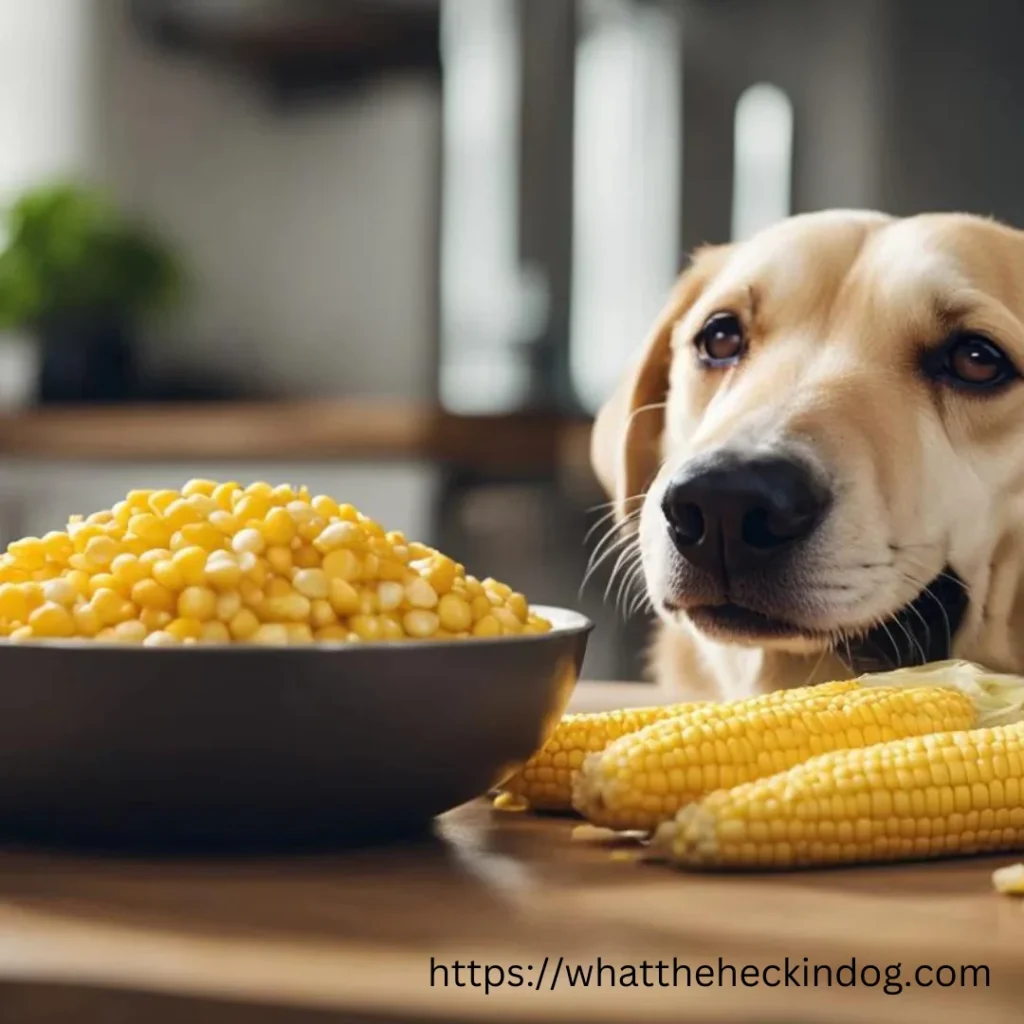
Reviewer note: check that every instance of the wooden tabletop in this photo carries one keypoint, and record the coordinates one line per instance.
(350, 936)
(342, 429)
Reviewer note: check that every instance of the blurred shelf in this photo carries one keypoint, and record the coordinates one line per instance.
(328, 430)
(300, 46)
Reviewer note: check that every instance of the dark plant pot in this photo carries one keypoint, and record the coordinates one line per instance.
(85, 360)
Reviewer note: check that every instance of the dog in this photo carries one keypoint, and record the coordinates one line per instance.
(818, 457)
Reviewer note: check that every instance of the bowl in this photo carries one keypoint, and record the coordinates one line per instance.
(245, 746)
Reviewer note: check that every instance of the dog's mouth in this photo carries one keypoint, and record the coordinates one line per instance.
(920, 632)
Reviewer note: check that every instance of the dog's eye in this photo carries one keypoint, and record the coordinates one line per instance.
(721, 341)
(972, 361)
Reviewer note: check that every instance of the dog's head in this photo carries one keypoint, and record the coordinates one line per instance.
(824, 441)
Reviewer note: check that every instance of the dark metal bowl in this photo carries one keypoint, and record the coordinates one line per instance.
(262, 746)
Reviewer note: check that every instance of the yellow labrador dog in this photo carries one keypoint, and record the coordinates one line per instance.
(821, 452)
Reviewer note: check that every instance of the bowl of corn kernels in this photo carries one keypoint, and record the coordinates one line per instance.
(256, 665)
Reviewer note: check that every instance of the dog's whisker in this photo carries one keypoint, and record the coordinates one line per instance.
(610, 550)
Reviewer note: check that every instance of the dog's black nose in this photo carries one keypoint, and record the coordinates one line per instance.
(732, 514)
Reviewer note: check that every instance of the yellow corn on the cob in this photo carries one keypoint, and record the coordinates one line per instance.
(645, 778)
(927, 796)
(546, 780)
(221, 563)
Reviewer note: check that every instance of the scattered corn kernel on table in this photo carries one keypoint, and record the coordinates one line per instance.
(350, 937)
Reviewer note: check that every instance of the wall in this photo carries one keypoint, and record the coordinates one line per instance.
(310, 234)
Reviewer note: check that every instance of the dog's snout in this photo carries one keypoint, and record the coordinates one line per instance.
(731, 515)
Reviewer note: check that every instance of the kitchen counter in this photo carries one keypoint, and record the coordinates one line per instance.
(343, 429)
(351, 936)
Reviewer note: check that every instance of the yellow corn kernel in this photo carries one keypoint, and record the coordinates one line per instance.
(331, 634)
(52, 620)
(222, 573)
(198, 603)
(488, 626)
(893, 801)
(366, 627)
(343, 565)
(278, 588)
(128, 570)
(546, 779)
(150, 594)
(138, 500)
(87, 621)
(215, 632)
(502, 590)
(254, 567)
(454, 613)
(480, 607)
(57, 546)
(299, 633)
(104, 581)
(184, 629)
(160, 501)
(101, 551)
(390, 595)
(154, 619)
(150, 528)
(279, 528)
(225, 494)
(130, 631)
(510, 625)
(341, 536)
(261, 488)
(29, 553)
(203, 487)
(391, 569)
(271, 634)
(225, 523)
(60, 591)
(441, 574)
(311, 583)
(324, 506)
(250, 539)
(645, 778)
(420, 623)
(21, 634)
(517, 605)
(109, 605)
(344, 597)
(181, 513)
(191, 565)
(250, 593)
(160, 638)
(305, 557)
(229, 604)
(291, 608)
(391, 628)
(368, 604)
(13, 603)
(244, 625)
(321, 614)
(167, 574)
(420, 594)
(203, 535)
(252, 507)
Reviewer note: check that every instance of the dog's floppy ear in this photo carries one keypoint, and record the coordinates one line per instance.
(625, 445)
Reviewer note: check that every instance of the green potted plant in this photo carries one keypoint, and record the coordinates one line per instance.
(79, 277)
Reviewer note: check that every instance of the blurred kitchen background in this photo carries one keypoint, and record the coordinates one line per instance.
(401, 250)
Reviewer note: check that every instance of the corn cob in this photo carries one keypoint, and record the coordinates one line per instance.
(645, 778)
(926, 796)
(546, 780)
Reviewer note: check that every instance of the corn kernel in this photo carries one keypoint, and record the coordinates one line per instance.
(225, 522)
(390, 595)
(13, 603)
(225, 495)
(260, 487)
(390, 629)
(150, 594)
(87, 620)
(305, 556)
(244, 625)
(366, 627)
(252, 506)
(299, 633)
(104, 581)
(368, 604)
(321, 614)
(59, 591)
(292, 608)
(279, 528)
(250, 593)
(160, 638)
(21, 634)
(480, 606)
(52, 620)
(214, 632)
(160, 501)
(487, 626)
(390, 569)
(336, 536)
(516, 604)
(324, 506)
(184, 629)
(131, 631)
(150, 528)
(311, 583)
(280, 560)
(454, 613)
(167, 574)
(420, 623)
(342, 565)
(229, 605)
(203, 535)
(57, 546)
(154, 619)
(420, 594)
(441, 574)
(271, 633)
(331, 634)
(197, 603)
(197, 486)
(250, 540)
(509, 623)
(110, 606)
(191, 565)
(344, 597)
(101, 551)
(223, 573)
(29, 553)
(283, 493)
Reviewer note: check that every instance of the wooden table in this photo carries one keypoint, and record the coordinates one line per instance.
(351, 936)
